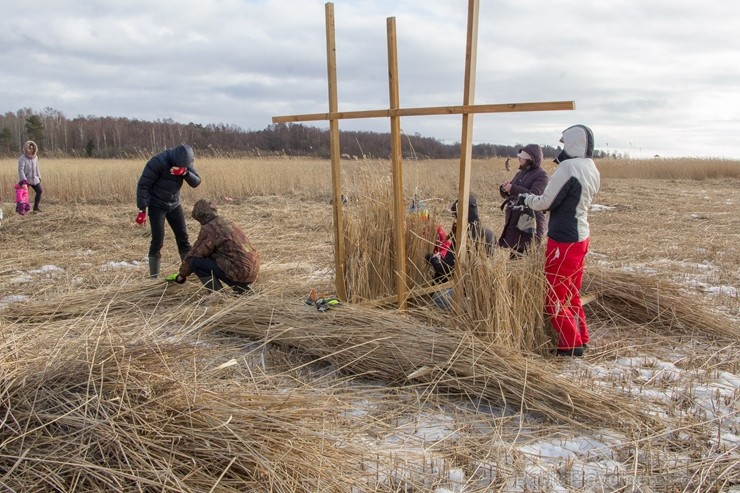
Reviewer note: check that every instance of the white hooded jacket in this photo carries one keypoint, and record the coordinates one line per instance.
(571, 188)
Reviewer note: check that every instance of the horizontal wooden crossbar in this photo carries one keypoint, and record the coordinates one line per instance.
(432, 110)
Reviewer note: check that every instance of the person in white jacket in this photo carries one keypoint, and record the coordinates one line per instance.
(28, 169)
(567, 197)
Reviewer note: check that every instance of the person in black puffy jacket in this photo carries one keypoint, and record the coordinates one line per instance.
(158, 193)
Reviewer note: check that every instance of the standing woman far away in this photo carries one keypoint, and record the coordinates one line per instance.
(158, 192)
(522, 225)
(568, 196)
(28, 169)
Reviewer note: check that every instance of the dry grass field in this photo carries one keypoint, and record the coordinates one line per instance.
(115, 382)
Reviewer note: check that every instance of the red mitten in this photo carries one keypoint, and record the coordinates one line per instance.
(141, 217)
(178, 171)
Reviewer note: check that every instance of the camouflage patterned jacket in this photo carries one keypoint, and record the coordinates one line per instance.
(224, 242)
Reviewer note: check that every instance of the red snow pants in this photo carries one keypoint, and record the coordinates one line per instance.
(564, 273)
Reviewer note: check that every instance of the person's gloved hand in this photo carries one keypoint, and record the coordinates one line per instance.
(521, 199)
(175, 278)
(141, 217)
(178, 170)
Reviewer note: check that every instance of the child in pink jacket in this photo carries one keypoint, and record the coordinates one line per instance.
(22, 206)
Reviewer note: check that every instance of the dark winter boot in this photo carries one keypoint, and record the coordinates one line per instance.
(211, 283)
(153, 267)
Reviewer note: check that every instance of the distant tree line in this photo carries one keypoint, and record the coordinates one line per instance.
(109, 137)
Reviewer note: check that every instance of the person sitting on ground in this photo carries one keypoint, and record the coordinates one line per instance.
(443, 265)
(222, 253)
(522, 225)
(22, 205)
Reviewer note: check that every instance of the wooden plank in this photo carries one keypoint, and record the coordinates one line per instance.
(430, 111)
(336, 175)
(466, 150)
(399, 210)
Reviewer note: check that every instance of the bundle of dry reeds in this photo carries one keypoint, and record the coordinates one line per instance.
(395, 347)
(662, 306)
(119, 409)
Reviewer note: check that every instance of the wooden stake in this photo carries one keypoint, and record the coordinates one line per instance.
(466, 150)
(399, 210)
(336, 176)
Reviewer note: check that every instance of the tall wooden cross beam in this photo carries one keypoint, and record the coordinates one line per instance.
(394, 112)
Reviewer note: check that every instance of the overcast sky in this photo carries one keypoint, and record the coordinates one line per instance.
(648, 76)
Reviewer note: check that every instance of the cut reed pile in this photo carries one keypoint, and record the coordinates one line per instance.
(655, 304)
(394, 347)
(97, 407)
(378, 343)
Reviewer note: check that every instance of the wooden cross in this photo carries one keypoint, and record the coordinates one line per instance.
(394, 113)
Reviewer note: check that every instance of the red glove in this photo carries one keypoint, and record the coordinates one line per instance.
(141, 217)
(178, 171)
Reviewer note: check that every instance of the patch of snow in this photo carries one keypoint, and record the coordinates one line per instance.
(599, 207)
(730, 291)
(11, 298)
(46, 269)
(120, 265)
(21, 279)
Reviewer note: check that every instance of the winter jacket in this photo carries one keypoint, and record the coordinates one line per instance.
(224, 242)
(571, 188)
(531, 178)
(159, 188)
(480, 235)
(22, 206)
(28, 167)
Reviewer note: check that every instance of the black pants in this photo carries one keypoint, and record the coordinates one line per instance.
(37, 199)
(176, 219)
(210, 275)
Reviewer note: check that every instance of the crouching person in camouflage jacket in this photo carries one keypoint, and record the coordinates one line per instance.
(222, 253)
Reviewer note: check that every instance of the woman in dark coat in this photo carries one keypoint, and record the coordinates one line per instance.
(521, 224)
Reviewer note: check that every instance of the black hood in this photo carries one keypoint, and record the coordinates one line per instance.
(183, 156)
(472, 209)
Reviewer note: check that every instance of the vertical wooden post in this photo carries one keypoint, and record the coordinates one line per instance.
(336, 176)
(466, 149)
(399, 210)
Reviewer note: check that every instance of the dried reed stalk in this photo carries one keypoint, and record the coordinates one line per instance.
(394, 347)
(112, 409)
(660, 305)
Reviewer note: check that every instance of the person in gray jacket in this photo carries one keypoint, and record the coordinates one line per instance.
(568, 196)
(28, 170)
(158, 192)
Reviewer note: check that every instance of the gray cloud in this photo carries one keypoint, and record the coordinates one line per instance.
(650, 77)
